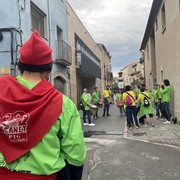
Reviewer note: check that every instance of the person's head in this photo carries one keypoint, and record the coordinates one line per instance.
(85, 90)
(128, 88)
(107, 87)
(96, 89)
(143, 86)
(120, 91)
(166, 82)
(155, 86)
(142, 89)
(35, 56)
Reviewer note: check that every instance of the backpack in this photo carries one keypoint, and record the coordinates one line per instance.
(146, 101)
(128, 101)
(81, 105)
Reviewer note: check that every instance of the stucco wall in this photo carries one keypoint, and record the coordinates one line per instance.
(167, 44)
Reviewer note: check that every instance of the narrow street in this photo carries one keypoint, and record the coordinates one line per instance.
(115, 153)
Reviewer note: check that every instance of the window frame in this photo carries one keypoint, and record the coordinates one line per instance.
(41, 20)
(163, 18)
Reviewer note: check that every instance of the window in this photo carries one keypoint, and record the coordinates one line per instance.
(163, 14)
(38, 20)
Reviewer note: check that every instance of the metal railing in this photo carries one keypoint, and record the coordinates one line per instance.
(63, 53)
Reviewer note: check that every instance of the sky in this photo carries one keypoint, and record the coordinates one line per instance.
(118, 24)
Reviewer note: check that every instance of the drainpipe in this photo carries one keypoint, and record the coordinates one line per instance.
(49, 34)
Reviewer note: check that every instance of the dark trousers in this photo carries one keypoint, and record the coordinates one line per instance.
(131, 111)
(157, 109)
(166, 110)
(88, 113)
(106, 108)
(70, 172)
(161, 107)
(141, 119)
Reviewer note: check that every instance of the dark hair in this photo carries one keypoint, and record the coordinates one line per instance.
(143, 85)
(142, 89)
(128, 88)
(166, 82)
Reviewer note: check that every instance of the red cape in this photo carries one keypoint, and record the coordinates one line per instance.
(25, 115)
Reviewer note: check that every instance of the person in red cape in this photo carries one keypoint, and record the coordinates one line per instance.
(40, 128)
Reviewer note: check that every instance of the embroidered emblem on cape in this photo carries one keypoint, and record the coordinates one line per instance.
(14, 125)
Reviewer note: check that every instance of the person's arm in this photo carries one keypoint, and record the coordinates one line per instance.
(72, 143)
(165, 90)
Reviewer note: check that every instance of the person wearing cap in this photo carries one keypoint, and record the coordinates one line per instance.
(40, 128)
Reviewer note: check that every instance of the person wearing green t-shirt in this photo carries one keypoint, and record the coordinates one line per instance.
(119, 102)
(166, 92)
(95, 100)
(86, 111)
(156, 100)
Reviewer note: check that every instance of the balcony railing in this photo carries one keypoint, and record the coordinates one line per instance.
(63, 53)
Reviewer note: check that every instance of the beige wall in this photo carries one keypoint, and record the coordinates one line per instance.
(129, 73)
(167, 52)
(75, 26)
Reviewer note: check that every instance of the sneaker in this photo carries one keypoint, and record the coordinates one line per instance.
(86, 124)
(108, 114)
(91, 124)
(145, 125)
(167, 122)
(137, 127)
(153, 125)
(130, 128)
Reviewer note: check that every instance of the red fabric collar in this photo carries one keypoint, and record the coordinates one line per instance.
(25, 115)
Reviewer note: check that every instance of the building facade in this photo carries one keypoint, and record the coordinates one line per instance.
(19, 18)
(89, 59)
(160, 47)
(132, 74)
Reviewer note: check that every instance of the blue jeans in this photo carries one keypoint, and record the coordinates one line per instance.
(157, 109)
(131, 111)
(167, 111)
(106, 108)
(88, 113)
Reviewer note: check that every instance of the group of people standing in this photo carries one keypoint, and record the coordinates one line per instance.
(93, 102)
(141, 104)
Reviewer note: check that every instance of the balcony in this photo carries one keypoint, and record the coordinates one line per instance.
(63, 53)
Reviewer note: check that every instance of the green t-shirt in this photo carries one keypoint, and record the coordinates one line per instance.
(95, 97)
(63, 141)
(166, 93)
(86, 101)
